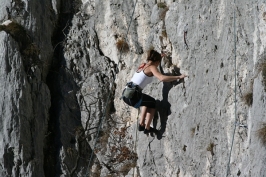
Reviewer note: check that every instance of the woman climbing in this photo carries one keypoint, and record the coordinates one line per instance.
(133, 96)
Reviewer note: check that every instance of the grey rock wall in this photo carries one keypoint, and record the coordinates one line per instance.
(62, 75)
(196, 120)
(23, 99)
(26, 52)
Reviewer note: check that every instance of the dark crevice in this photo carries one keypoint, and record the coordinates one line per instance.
(56, 73)
(98, 43)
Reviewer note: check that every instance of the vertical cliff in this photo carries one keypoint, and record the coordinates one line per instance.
(26, 51)
(63, 71)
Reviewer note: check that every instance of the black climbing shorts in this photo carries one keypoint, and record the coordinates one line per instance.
(147, 100)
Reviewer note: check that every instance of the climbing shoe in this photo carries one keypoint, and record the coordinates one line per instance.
(146, 131)
(141, 128)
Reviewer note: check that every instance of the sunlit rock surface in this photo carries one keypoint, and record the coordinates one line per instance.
(63, 78)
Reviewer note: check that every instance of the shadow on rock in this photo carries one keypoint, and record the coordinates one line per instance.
(163, 106)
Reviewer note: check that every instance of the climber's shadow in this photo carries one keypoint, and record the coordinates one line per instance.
(163, 106)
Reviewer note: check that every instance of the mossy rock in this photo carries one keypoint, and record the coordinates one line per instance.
(264, 71)
(31, 51)
(161, 5)
(18, 33)
(28, 49)
(261, 134)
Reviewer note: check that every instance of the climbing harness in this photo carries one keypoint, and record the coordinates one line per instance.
(133, 90)
(105, 111)
(137, 105)
(185, 36)
(130, 90)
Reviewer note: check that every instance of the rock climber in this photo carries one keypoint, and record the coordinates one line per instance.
(133, 96)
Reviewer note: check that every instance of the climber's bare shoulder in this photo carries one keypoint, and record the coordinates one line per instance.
(155, 72)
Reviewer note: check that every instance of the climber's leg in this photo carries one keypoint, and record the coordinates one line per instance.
(149, 116)
(141, 125)
(147, 112)
(143, 115)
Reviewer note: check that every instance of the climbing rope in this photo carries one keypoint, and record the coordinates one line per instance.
(233, 137)
(136, 137)
(108, 98)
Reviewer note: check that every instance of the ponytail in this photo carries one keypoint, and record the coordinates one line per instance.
(154, 56)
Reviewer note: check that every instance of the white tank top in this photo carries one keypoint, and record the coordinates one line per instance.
(141, 79)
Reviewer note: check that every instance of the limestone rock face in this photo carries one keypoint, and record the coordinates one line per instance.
(25, 97)
(195, 119)
(64, 65)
